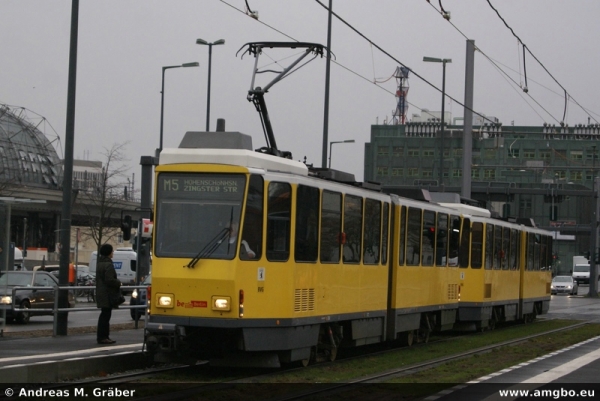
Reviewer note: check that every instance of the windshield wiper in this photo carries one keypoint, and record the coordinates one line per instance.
(210, 247)
(214, 243)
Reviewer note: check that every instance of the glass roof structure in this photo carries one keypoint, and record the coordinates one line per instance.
(27, 156)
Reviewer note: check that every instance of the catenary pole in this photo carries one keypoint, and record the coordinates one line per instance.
(60, 322)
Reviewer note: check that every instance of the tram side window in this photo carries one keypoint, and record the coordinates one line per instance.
(253, 219)
(547, 255)
(489, 246)
(550, 252)
(543, 253)
(402, 235)
(413, 237)
(454, 244)
(428, 253)
(477, 245)
(353, 211)
(498, 247)
(372, 232)
(278, 221)
(441, 240)
(537, 252)
(514, 249)
(307, 224)
(530, 251)
(331, 226)
(505, 247)
(384, 235)
(465, 239)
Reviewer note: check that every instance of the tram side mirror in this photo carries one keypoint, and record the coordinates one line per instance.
(126, 227)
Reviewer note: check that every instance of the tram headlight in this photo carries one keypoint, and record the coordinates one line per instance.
(6, 300)
(221, 303)
(164, 300)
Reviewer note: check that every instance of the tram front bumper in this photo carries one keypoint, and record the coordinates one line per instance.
(163, 337)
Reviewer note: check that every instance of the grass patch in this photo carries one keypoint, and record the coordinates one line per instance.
(344, 371)
(445, 375)
(480, 365)
(407, 387)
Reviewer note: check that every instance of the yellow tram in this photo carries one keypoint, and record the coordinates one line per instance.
(505, 275)
(424, 278)
(307, 273)
(260, 260)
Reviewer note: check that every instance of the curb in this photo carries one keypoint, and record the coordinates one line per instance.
(73, 369)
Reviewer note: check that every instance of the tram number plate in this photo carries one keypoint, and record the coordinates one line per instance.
(261, 274)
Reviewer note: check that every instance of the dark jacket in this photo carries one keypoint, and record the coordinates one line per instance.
(107, 282)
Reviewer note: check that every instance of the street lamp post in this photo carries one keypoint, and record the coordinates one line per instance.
(443, 61)
(162, 98)
(210, 45)
(331, 144)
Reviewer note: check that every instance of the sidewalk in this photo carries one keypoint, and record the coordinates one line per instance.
(51, 359)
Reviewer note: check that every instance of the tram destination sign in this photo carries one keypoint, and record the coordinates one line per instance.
(206, 185)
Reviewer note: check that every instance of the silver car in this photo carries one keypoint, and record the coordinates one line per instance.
(563, 285)
(39, 301)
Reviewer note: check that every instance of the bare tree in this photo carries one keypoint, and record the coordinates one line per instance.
(101, 204)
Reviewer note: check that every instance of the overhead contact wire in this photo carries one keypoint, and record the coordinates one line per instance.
(398, 61)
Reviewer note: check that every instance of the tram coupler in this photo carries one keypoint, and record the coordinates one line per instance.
(163, 337)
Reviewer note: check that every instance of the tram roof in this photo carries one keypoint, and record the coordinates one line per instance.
(233, 157)
(226, 148)
(468, 209)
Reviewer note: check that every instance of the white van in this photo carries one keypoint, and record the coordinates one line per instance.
(581, 273)
(124, 260)
(18, 263)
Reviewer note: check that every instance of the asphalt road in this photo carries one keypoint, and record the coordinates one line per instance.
(90, 318)
(76, 318)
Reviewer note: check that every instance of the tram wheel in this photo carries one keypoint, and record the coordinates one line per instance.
(492, 324)
(407, 338)
(332, 354)
(312, 358)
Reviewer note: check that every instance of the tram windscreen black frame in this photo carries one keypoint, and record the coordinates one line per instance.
(193, 209)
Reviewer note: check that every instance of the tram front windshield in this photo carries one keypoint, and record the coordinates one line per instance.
(198, 215)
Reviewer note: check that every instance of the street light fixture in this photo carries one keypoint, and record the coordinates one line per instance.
(331, 144)
(210, 45)
(162, 98)
(443, 61)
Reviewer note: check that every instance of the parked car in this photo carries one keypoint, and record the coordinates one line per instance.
(54, 269)
(564, 284)
(81, 274)
(139, 297)
(35, 301)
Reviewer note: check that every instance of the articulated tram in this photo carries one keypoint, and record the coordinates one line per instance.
(259, 260)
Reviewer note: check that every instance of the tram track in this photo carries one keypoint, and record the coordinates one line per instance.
(185, 390)
(335, 388)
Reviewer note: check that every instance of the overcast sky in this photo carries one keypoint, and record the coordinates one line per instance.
(123, 45)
